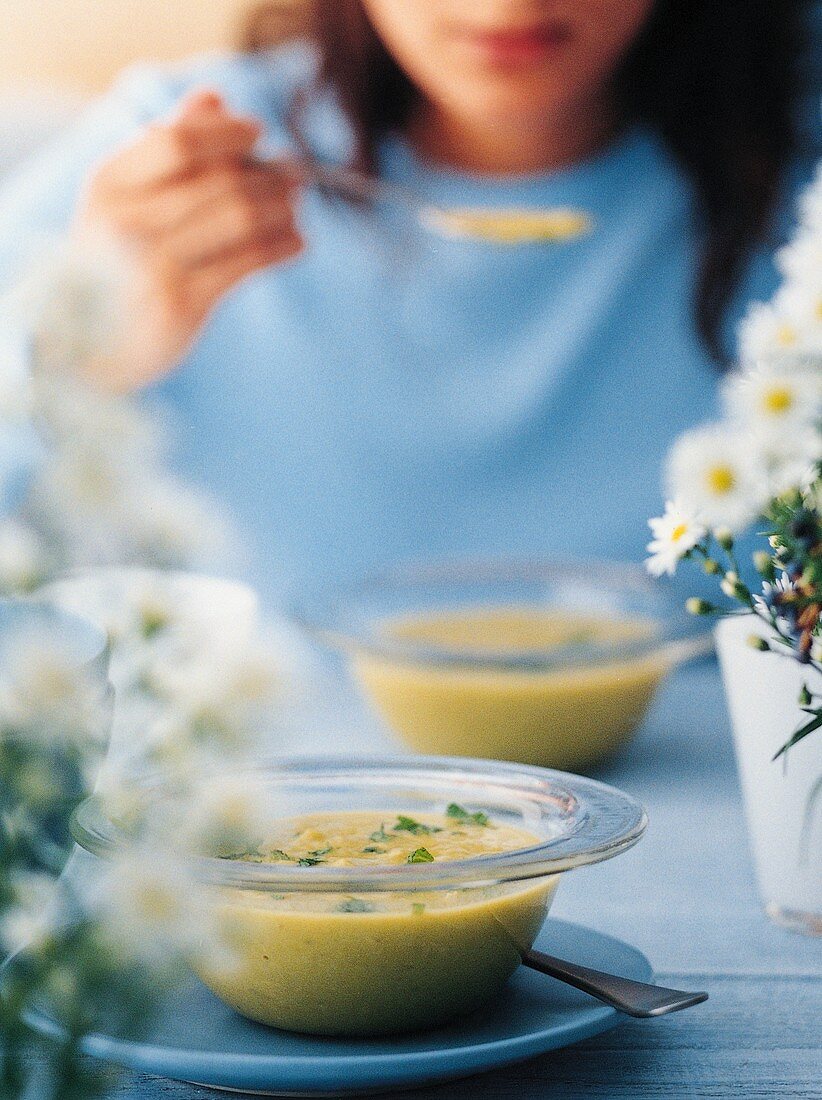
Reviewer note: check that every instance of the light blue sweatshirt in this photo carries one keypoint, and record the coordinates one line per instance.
(393, 395)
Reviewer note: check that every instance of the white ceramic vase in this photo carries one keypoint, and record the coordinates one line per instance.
(783, 798)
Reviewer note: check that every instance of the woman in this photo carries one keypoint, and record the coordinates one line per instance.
(359, 390)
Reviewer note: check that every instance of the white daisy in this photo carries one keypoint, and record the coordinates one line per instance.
(34, 914)
(779, 587)
(151, 908)
(48, 698)
(799, 305)
(23, 560)
(788, 328)
(801, 261)
(122, 798)
(74, 296)
(675, 533)
(171, 525)
(764, 334)
(791, 459)
(718, 474)
(226, 812)
(775, 400)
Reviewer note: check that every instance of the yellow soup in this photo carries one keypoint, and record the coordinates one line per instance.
(568, 718)
(377, 963)
(512, 226)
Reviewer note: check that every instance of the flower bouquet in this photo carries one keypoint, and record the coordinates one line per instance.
(762, 467)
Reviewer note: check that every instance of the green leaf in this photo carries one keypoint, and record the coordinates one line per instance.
(355, 905)
(320, 852)
(381, 835)
(409, 825)
(417, 908)
(375, 849)
(279, 856)
(463, 816)
(309, 861)
(421, 855)
(800, 734)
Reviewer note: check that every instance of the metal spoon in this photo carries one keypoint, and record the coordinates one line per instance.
(638, 999)
(503, 226)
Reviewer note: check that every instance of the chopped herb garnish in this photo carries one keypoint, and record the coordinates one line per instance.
(417, 908)
(459, 814)
(380, 834)
(309, 861)
(375, 849)
(409, 825)
(320, 852)
(278, 856)
(246, 856)
(421, 855)
(355, 905)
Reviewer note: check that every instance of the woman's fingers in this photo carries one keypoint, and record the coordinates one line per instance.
(206, 286)
(232, 224)
(198, 214)
(201, 133)
(167, 153)
(155, 215)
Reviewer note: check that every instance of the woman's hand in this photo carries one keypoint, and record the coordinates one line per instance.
(195, 214)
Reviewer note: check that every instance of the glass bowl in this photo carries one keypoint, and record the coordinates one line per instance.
(545, 662)
(378, 949)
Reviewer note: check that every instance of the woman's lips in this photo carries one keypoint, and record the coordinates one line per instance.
(516, 46)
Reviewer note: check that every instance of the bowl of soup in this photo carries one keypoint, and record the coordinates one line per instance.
(548, 663)
(394, 895)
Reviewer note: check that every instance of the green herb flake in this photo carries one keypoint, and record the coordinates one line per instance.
(417, 908)
(380, 835)
(376, 850)
(421, 855)
(320, 852)
(459, 814)
(246, 856)
(309, 861)
(355, 905)
(279, 856)
(416, 828)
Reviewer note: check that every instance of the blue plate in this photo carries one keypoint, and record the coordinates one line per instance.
(198, 1039)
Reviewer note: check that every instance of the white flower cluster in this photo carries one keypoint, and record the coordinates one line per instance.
(44, 698)
(101, 493)
(196, 686)
(724, 475)
(790, 326)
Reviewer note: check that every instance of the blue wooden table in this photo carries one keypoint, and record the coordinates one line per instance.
(686, 896)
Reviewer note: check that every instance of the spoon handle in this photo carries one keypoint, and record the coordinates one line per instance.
(633, 998)
(349, 182)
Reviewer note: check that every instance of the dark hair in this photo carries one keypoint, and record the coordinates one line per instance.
(717, 79)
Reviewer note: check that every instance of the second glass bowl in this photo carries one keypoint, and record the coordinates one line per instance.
(545, 662)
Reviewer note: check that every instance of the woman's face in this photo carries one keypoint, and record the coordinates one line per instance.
(508, 59)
